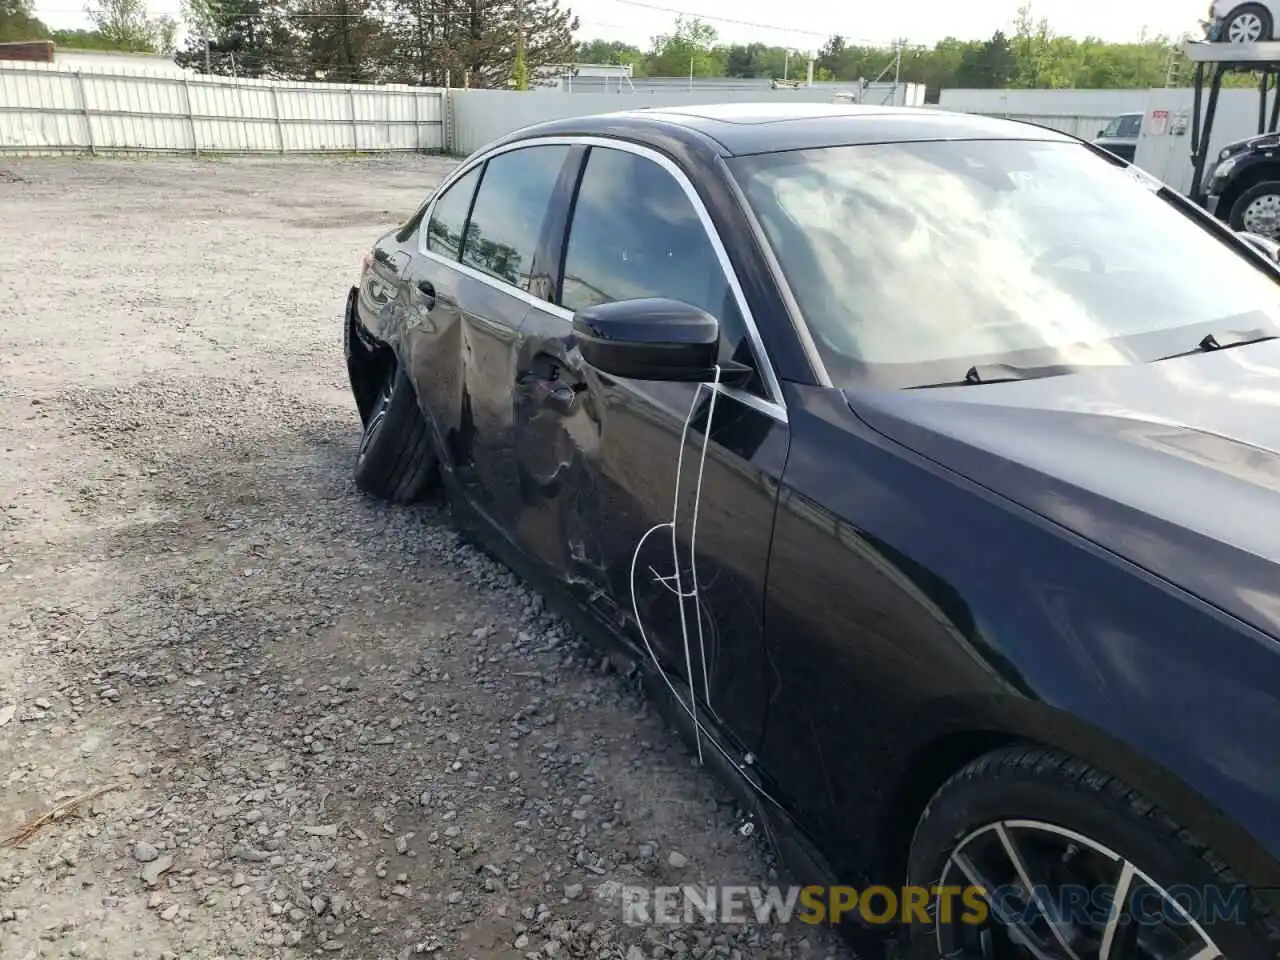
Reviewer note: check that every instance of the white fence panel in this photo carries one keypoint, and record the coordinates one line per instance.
(1044, 103)
(46, 109)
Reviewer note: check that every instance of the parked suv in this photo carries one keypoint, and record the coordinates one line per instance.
(1231, 21)
(1244, 186)
(1120, 136)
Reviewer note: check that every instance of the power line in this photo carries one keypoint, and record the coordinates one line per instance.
(705, 16)
(601, 23)
(824, 34)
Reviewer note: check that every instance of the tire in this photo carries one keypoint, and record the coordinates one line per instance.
(396, 460)
(1247, 20)
(1264, 197)
(969, 819)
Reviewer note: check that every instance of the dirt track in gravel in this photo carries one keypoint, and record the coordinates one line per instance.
(328, 726)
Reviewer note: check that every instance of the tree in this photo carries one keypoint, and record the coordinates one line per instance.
(126, 25)
(340, 40)
(689, 50)
(755, 60)
(520, 77)
(605, 51)
(247, 38)
(477, 43)
(612, 52)
(547, 34)
(990, 64)
(18, 22)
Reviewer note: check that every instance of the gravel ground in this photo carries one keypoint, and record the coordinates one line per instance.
(322, 725)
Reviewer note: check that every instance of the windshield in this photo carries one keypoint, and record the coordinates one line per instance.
(1125, 125)
(912, 262)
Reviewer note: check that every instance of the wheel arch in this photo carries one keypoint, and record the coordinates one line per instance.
(369, 360)
(934, 760)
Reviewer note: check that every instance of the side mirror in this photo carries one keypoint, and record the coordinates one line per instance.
(650, 339)
(1101, 134)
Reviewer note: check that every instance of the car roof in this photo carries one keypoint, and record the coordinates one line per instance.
(738, 129)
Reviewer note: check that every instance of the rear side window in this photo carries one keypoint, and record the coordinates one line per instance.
(508, 213)
(444, 232)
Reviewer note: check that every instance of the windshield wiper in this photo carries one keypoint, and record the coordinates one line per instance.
(1232, 338)
(1000, 373)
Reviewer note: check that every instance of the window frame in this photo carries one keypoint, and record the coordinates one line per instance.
(772, 403)
(430, 214)
(548, 215)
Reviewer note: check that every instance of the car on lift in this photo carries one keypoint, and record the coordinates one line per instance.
(1243, 188)
(924, 466)
(1231, 21)
(1239, 183)
(1120, 136)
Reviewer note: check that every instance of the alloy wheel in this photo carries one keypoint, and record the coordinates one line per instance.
(1245, 28)
(377, 417)
(1262, 216)
(1053, 894)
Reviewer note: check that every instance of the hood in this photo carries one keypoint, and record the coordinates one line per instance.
(1174, 465)
(1261, 141)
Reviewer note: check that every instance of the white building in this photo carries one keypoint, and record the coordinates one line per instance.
(118, 62)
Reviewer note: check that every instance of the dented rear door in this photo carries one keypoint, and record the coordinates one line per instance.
(471, 297)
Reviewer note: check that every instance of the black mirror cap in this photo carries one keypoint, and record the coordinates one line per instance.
(649, 339)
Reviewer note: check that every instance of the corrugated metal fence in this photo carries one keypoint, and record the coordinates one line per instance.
(47, 109)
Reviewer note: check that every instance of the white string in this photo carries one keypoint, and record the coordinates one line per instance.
(691, 707)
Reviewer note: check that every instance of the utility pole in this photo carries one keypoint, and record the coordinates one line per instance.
(520, 40)
(207, 67)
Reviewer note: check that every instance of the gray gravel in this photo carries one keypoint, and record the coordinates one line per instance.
(322, 725)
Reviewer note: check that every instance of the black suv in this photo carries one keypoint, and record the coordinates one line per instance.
(1120, 136)
(1244, 186)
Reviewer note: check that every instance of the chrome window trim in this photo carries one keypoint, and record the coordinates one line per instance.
(773, 405)
(492, 281)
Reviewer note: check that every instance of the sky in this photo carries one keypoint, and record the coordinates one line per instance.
(805, 24)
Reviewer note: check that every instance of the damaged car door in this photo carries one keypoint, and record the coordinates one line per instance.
(610, 466)
(469, 291)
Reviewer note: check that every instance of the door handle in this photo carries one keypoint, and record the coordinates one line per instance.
(561, 398)
(428, 291)
(555, 395)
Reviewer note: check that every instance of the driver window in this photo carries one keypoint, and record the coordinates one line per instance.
(635, 233)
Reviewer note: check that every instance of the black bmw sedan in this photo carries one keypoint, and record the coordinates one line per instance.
(927, 465)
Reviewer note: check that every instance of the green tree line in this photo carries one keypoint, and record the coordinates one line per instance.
(118, 25)
(1030, 55)
(478, 43)
(512, 43)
